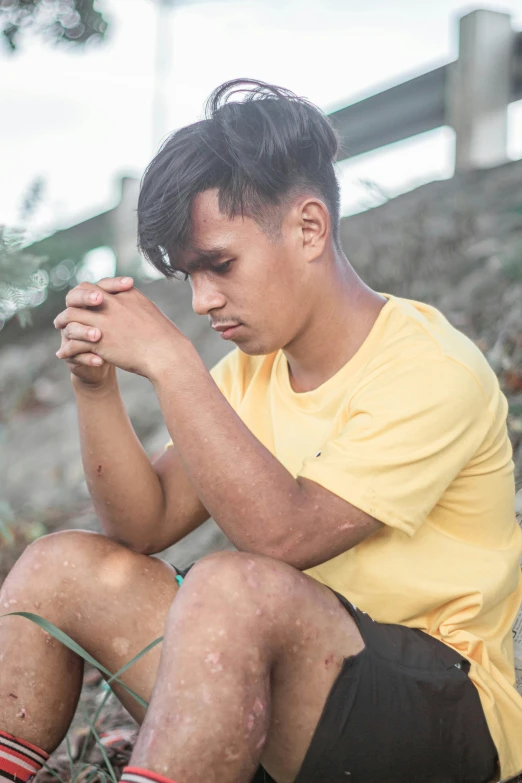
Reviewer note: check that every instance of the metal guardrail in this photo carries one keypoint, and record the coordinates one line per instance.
(412, 107)
(449, 95)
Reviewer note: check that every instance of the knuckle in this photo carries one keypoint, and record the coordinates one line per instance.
(73, 293)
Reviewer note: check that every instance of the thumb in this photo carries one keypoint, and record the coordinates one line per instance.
(113, 285)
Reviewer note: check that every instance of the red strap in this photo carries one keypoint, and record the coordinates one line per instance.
(145, 773)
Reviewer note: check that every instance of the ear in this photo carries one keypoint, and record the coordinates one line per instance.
(315, 227)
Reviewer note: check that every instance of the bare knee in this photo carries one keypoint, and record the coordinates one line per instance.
(244, 584)
(58, 554)
(263, 604)
(59, 565)
(241, 571)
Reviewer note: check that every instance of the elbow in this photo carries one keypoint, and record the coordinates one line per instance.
(139, 547)
(138, 541)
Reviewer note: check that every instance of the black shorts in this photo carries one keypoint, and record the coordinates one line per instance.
(403, 710)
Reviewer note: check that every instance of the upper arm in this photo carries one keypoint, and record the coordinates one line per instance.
(184, 511)
(408, 435)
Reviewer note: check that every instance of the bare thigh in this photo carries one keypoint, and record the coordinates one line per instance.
(265, 632)
(115, 602)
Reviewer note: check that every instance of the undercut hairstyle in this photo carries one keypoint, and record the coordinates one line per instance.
(259, 145)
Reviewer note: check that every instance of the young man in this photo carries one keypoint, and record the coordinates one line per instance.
(353, 448)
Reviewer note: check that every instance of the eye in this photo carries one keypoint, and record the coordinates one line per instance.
(222, 269)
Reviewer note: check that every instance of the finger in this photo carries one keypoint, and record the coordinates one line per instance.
(84, 295)
(77, 331)
(86, 360)
(113, 285)
(73, 348)
(74, 314)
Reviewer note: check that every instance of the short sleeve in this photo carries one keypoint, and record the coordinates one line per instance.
(227, 374)
(410, 431)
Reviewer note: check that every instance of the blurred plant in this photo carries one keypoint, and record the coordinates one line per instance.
(58, 21)
(22, 283)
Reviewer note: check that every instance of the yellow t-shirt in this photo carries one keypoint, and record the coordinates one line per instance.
(411, 430)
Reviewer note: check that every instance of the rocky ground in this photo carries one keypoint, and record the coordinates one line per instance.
(456, 244)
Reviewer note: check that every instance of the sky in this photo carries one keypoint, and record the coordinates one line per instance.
(79, 120)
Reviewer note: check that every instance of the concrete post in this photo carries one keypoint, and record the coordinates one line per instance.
(479, 87)
(124, 228)
(163, 86)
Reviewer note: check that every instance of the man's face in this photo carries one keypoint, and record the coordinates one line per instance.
(242, 278)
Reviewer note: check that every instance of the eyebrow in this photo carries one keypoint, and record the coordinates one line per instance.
(203, 259)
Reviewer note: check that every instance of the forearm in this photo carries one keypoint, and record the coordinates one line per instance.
(125, 490)
(250, 494)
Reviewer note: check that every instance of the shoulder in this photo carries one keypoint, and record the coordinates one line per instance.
(423, 350)
(237, 370)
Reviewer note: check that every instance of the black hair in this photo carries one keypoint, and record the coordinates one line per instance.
(258, 151)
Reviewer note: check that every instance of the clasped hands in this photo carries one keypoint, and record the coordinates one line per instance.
(112, 323)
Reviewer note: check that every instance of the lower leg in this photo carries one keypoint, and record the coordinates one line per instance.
(41, 678)
(111, 601)
(209, 713)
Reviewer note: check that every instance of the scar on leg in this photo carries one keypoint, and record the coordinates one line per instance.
(99, 470)
(120, 645)
(213, 660)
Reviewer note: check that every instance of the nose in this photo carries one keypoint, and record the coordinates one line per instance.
(205, 296)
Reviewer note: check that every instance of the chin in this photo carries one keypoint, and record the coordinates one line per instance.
(252, 348)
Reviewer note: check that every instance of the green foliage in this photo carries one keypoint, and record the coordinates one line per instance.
(28, 272)
(22, 283)
(58, 21)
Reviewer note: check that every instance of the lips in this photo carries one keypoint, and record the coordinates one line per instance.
(223, 327)
(227, 331)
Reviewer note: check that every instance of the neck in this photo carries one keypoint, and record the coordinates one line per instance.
(344, 311)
